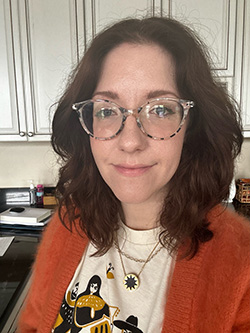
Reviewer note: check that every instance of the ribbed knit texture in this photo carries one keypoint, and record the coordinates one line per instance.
(209, 293)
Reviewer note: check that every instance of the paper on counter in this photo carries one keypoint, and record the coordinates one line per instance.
(4, 244)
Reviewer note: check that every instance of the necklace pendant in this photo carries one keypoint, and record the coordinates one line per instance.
(131, 282)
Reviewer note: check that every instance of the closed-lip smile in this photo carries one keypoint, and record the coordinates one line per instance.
(132, 170)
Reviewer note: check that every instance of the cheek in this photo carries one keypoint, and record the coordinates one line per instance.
(170, 163)
(101, 151)
(96, 148)
(171, 153)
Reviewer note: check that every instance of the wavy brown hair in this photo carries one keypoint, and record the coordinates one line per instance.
(213, 139)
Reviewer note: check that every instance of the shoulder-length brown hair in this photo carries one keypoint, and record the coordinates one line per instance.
(213, 139)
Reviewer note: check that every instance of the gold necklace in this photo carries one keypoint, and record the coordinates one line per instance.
(131, 281)
(133, 258)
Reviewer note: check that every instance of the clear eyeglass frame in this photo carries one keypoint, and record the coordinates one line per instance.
(185, 105)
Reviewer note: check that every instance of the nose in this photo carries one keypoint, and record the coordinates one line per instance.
(131, 137)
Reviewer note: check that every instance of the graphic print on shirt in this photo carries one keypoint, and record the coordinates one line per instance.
(130, 325)
(64, 320)
(89, 311)
(109, 274)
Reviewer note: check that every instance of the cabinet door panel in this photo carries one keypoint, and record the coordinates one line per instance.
(51, 49)
(8, 93)
(215, 22)
(99, 13)
(245, 83)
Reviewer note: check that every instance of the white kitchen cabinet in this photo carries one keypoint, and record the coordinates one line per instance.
(43, 39)
(225, 27)
(40, 49)
(244, 92)
(216, 24)
(8, 91)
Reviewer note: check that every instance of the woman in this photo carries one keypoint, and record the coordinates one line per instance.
(148, 138)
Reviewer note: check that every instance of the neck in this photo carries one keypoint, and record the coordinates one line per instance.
(140, 216)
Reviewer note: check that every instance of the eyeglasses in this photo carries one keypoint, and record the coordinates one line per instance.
(159, 119)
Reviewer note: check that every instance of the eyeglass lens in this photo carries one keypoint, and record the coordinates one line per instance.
(159, 119)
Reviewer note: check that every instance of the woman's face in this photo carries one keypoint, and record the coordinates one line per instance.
(136, 167)
(93, 288)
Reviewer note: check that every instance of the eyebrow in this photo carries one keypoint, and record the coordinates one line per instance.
(107, 93)
(158, 93)
(148, 95)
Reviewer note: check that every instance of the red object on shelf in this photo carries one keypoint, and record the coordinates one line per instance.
(243, 190)
(39, 195)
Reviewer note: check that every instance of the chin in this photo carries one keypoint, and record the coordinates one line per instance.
(133, 198)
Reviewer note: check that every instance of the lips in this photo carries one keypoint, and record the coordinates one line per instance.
(132, 170)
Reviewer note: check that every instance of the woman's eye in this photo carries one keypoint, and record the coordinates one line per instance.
(104, 113)
(162, 111)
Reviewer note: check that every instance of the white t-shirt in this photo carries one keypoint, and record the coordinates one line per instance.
(97, 300)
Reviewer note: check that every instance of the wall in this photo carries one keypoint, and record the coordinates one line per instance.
(21, 162)
(243, 162)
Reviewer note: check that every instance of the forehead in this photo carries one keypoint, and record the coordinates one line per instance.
(137, 68)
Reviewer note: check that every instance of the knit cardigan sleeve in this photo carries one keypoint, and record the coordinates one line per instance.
(221, 300)
(56, 246)
(211, 292)
(242, 320)
(234, 262)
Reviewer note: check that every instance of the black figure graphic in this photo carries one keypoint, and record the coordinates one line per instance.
(109, 274)
(65, 318)
(128, 326)
(90, 306)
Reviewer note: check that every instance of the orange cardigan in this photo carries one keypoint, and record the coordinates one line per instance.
(209, 293)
